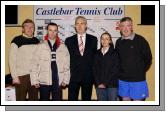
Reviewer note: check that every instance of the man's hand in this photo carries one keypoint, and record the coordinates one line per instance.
(16, 80)
(101, 86)
(63, 84)
(37, 85)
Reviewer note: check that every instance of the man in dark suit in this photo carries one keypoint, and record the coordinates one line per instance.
(82, 48)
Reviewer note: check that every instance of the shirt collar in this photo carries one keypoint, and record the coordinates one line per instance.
(52, 41)
(26, 35)
(83, 35)
(104, 51)
(131, 37)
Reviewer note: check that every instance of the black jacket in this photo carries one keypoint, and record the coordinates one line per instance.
(81, 66)
(106, 68)
(135, 58)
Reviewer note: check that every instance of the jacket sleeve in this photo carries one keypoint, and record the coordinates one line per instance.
(147, 55)
(117, 45)
(13, 59)
(66, 66)
(95, 47)
(35, 67)
(96, 71)
(115, 69)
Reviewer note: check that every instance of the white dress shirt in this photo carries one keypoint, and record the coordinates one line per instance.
(83, 39)
(104, 51)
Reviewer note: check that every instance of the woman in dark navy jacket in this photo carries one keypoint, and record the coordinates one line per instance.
(106, 70)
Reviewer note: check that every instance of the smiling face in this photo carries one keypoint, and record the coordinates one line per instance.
(52, 31)
(105, 40)
(126, 28)
(28, 29)
(80, 25)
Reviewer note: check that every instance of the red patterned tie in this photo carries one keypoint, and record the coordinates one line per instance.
(81, 46)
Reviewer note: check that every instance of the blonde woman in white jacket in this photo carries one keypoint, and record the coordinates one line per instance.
(50, 66)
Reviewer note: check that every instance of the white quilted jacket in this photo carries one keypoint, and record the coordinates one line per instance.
(41, 65)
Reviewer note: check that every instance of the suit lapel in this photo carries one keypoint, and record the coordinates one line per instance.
(76, 45)
(87, 43)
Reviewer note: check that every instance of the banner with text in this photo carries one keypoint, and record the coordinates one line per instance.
(100, 19)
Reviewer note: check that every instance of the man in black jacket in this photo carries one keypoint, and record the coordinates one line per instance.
(135, 59)
(82, 48)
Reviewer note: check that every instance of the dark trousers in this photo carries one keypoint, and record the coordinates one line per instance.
(46, 90)
(24, 88)
(54, 89)
(86, 91)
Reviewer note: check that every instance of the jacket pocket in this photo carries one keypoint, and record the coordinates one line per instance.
(44, 77)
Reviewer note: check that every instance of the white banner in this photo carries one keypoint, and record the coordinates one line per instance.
(100, 19)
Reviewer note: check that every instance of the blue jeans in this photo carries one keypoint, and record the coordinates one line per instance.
(107, 94)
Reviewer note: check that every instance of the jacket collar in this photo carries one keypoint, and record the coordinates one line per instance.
(110, 50)
(131, 37)
(58, 42)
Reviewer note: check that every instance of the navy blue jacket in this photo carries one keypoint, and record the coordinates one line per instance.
(106, 68)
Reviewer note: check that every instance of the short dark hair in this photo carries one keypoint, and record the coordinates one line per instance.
(125, 19)
(51, 24)
(27, 21)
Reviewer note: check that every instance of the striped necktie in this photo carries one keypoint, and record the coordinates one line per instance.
(81, 46)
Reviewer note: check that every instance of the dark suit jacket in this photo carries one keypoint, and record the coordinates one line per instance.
(81, 66)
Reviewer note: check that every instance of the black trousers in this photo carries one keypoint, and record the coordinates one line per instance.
(86, 91)
(54, 89)
(46, 90)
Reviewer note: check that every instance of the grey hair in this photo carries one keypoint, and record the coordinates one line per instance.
(81, 17)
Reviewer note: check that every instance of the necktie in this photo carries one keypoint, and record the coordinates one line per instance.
(81, 46)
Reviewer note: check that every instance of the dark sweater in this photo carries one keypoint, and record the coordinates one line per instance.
(106, 68)
(135, 58)
(21, 40)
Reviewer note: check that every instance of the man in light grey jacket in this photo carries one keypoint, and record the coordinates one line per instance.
(20, 56)
(51, 65)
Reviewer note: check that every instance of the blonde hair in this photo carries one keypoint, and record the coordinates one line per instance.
(28, 21)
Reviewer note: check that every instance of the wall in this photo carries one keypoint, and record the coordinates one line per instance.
(133, 11)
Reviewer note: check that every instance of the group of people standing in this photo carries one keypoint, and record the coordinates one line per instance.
(51, 65)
